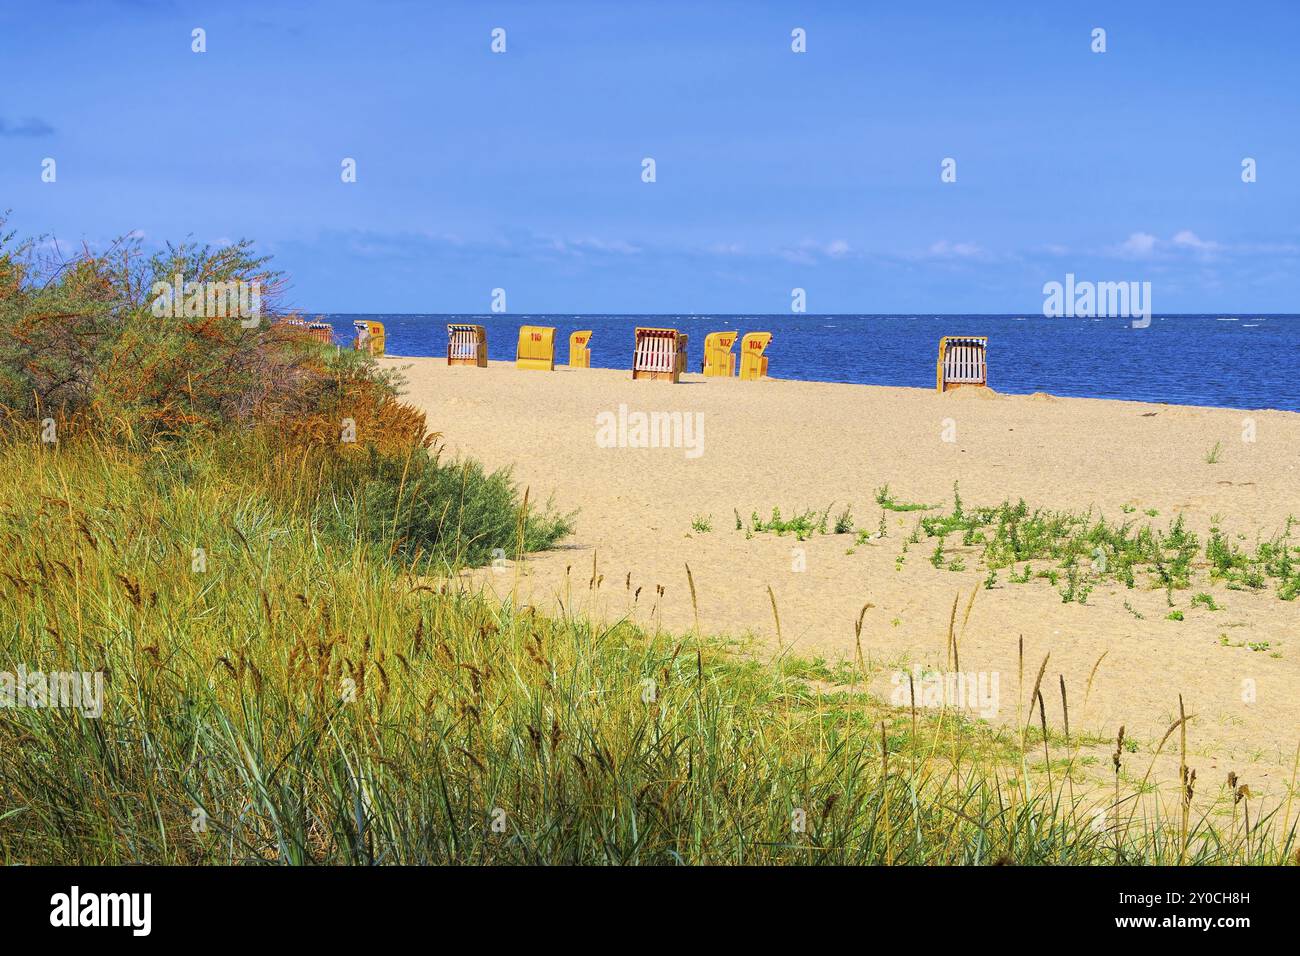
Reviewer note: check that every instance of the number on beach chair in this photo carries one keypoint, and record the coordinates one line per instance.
(579, 353)
(962, 362)
(753, 363)
(536, 348)
(370, 336)
(467, 345)
(658, 354)
(718, 357)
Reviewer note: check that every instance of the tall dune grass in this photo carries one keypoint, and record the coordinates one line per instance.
(308, 698)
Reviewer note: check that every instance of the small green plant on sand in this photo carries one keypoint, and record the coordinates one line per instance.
(1127, 552)
(886, 501)
(844, 521)
(802, 525)
(1076, 588)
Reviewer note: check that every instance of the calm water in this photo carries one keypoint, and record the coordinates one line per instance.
(1233, 361)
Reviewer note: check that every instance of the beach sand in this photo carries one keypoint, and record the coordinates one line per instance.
(798, 445)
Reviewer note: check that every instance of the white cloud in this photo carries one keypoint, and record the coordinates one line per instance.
(944, 249)
(580, 246)
(1189, 240)
(1139, 245)
(607, 245)
(1143, 245)
(808, 251)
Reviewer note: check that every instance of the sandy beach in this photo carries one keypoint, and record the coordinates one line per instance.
(800, 445)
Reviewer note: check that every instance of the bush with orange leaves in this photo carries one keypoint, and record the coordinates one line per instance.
(99, 336)
(129, 349)
(353, 409)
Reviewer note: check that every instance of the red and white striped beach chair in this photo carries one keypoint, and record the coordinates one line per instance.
(658, 354)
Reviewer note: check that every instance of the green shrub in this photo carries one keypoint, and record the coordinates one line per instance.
(452, 514)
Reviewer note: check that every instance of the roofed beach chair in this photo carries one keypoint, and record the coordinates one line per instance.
(370, 336)
(467, 345)
(753, 363)
(962, 362)
(718, 357)
(322, 332)
(536, 348)
(658, 354)
(579, 353)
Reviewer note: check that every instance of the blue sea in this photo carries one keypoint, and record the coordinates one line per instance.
(1244, 361)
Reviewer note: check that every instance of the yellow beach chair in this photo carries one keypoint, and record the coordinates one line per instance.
(467, 345)
(536, 348)
(753, 363)
(718, 357)
(658, 354)
(370, 336)
(962, 362)
(579, 353)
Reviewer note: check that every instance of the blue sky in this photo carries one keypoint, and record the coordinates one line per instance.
(775, 170)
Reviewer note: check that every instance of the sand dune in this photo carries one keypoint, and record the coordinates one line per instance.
(798, 445)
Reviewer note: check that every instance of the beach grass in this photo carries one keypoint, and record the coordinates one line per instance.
(1082, 548)
(307, 697)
